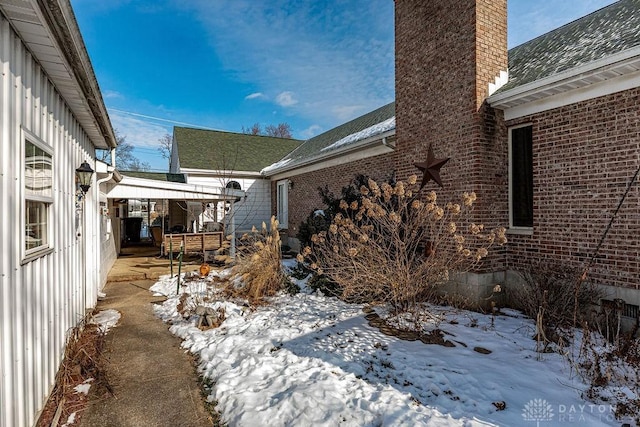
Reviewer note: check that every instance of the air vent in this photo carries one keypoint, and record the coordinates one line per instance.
(631, 311)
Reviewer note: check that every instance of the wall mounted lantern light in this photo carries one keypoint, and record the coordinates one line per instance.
(83, 176)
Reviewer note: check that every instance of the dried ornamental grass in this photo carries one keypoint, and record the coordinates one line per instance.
(257, 272)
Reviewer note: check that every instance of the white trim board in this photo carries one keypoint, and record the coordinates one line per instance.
(607, 87)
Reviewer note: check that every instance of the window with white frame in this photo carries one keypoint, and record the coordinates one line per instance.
(282, 206)
(38, 195)
(521, 177)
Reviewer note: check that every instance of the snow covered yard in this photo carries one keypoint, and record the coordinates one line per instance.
(310, 360)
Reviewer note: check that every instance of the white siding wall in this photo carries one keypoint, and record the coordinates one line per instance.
(251, 211)
(41, 299)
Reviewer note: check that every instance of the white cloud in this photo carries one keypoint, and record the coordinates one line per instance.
(311, 131)
(286, 99)
(337, 56)
(112, 94)
(333, 54)
(256, 95)
(138, 132)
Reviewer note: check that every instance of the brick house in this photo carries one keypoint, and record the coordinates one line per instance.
(547, 134)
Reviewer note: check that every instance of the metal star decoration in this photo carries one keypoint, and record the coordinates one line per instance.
(431, 168)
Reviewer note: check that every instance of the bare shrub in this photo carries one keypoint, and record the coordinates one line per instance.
(612, 371)
(395, 246)
(553, 294)
(257, 271)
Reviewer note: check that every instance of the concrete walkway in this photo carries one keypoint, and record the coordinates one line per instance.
(153, 379)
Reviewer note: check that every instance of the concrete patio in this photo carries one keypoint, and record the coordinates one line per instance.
(144, 262)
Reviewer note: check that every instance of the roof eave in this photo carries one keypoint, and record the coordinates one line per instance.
(229, 173)
(619, 64)
(65, 46)
(380, 139)
(178, 189)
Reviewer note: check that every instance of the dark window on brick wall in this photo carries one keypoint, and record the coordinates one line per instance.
(521, 176)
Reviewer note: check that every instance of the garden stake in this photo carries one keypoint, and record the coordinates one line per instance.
(179, 268)
(171, 255)
(583, 277)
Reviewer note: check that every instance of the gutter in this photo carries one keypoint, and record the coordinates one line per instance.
(113, 174)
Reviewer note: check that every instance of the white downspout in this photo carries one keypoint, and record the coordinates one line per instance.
(100, 181)
(98, 253)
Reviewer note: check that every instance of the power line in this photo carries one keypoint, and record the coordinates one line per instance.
(159, 119)
(148, 150)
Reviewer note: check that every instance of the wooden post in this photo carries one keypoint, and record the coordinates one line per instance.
(179, 267)
(171, 254)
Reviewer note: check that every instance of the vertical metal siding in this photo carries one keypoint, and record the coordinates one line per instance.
(42, 299)
(5, 200)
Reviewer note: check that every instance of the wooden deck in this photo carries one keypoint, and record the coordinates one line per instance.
(192, 242)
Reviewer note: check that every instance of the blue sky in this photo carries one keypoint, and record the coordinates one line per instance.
(225, 64)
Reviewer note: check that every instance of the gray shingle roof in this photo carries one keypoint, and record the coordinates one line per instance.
(607, 31)
(217, 150)
(318, 145)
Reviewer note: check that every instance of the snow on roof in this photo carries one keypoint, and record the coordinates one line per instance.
(275, 165)
(369, 132)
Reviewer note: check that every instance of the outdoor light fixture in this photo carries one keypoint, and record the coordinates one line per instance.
(83, 177)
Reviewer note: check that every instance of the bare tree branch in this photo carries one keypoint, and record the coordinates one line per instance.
(166, 144)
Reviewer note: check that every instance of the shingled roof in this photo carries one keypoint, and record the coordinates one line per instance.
(208, 149)
(324, 144)
(607, 31)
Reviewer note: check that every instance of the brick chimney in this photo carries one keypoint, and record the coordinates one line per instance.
(448, 52)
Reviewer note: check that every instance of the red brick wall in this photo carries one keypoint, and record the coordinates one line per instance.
(447, 53)
(584, 156)
(304, 197)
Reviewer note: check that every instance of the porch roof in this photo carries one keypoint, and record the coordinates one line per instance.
(140, 188)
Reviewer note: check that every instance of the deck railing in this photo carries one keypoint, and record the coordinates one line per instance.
(192, 242)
